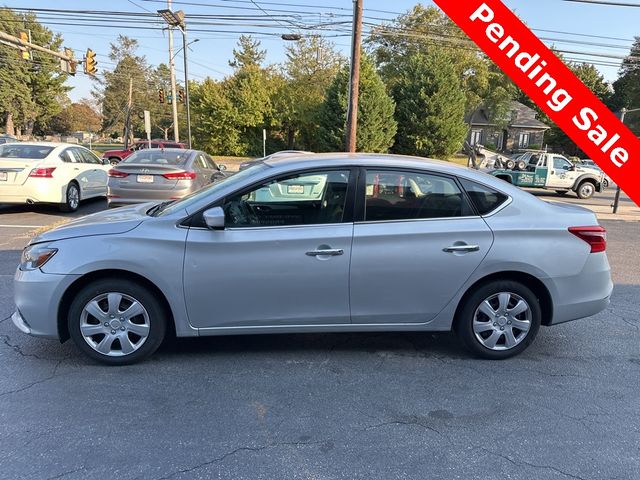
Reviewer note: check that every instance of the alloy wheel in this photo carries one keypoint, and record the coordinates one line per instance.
(502, 321)
(73, 197)
(114, 324)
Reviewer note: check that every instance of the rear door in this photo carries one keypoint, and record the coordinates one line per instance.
(416, 243)
(91, 169)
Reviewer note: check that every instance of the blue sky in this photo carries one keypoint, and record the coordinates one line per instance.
(210, 54)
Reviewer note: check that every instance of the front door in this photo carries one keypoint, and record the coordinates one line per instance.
(418, 244)
(282, 258)
(562, 174)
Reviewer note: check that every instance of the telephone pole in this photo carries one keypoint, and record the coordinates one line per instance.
(354, 78)
(127, 122)
(172, 79)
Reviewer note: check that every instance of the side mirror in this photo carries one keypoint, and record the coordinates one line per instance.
(106, 161)
(222, 167)
(214, 218)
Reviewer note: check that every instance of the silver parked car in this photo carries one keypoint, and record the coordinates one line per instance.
(161, 174)
(333, 243)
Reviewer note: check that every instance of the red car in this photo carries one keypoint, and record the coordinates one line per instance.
(116, 156)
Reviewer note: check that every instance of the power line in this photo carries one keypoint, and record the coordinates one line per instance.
(602, 2)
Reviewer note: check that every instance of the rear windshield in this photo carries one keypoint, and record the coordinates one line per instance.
(157, 157)
(172, 145)
(26, 152)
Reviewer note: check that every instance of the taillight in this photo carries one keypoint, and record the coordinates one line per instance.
(42, 172)
(117, 173)
(180, 176)
(596, 237)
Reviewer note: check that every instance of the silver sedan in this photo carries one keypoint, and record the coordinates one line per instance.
(329, 243)
(161, 174)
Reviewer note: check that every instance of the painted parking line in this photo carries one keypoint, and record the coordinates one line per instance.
(21, 226)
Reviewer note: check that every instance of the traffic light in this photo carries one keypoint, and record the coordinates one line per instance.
(24, 36)
(181, 96)
(90, 62)
(161, 95)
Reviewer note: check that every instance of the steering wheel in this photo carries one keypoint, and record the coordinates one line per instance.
(241, 213)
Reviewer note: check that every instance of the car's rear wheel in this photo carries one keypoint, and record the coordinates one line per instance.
(499, 320)
(114, 160)
(586, 190)
(72, 198)
(117, 322)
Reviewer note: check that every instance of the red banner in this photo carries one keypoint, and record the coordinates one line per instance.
(552, 86)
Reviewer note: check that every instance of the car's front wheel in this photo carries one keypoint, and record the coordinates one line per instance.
(499, 320)
(117, 322)
(586, 190)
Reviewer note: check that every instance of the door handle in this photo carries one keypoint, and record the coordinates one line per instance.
(461, 248)
(329, 252)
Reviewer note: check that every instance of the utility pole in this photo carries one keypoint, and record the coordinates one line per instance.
(354, 78)
(172, 79)
(616, 200)
(185, 46)
(127, 122)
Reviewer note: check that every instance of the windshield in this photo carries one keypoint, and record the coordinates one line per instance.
(26, 152)
(209, 190)
(157, 157)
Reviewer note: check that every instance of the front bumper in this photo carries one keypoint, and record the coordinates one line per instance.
(37, 296)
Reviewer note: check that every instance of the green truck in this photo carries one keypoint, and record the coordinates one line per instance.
(554, 172)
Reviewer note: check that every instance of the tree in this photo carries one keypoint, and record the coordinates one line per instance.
(593, 79)
(31, 91)
(430, 106)
(627, 87)
(214, 118)
(425, 30)
(376, 125)
(113, 89)
(248, 53)
(78, 116)
(311, 65)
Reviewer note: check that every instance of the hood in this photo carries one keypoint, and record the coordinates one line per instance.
(594, 171)
(108, 222)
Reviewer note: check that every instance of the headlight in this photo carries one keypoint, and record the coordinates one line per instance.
(35, 256)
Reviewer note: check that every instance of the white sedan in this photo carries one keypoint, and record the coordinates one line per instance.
(60, 173)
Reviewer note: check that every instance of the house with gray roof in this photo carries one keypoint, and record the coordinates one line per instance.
(520, 131)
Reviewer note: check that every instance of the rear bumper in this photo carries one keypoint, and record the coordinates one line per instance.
(582, 295)
(34, 190)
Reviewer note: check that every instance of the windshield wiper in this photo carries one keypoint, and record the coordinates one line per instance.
(157, 209)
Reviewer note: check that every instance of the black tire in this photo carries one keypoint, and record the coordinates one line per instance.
(114, 160)
(156, 321)
(586, 190)
(72, 198)
(510, 164)
(562, 192)
(465, 319)
(522, 165)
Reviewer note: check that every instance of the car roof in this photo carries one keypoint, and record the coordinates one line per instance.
(363, 159)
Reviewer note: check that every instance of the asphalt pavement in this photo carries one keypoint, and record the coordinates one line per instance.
(349, 406)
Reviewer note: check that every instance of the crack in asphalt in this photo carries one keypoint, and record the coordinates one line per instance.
(519, 462)
(64, 474)
(6, 339)
(37, 382)
(5, 319)
(241, 449)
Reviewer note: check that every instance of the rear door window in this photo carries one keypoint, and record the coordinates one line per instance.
(397, 195)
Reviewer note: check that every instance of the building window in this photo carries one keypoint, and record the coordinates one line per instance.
(523, 140)
(476, 137)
